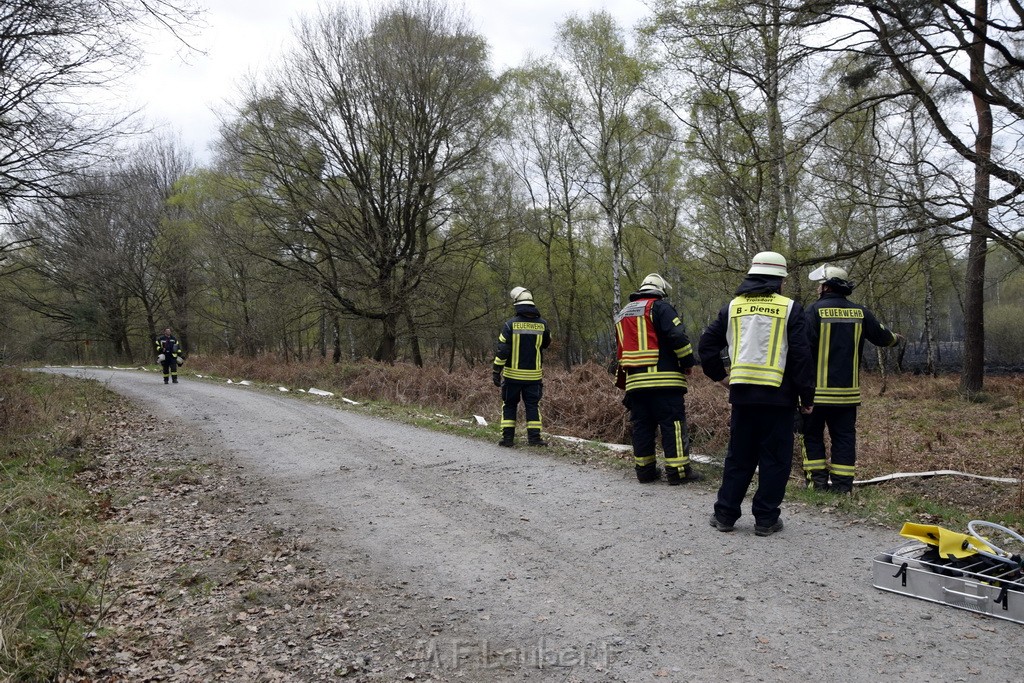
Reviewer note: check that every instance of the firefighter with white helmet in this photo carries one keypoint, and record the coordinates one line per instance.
(837, 329)
(655, 356)
(518, 367)
(769, 376)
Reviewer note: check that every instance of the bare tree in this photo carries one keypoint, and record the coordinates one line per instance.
(601, 98)
(550, 169)
(944, 52)
(158, 266)
(78, 260)
(353, 152)
(56, 56)
(744, 101)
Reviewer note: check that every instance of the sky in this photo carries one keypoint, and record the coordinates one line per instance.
(183, 94)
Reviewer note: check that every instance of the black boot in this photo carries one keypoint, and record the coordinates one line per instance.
(647, 474)
(841, 484)
(689, 474)
(533, 438)
(818, 481)
(508, 437)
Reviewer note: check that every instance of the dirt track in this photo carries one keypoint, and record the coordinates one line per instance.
(541, 569)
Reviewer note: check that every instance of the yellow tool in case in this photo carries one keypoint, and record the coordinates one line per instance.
(967, 571)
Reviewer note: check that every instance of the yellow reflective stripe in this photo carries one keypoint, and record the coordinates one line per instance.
(843, 470)
(534, 424)
(837, 395)
(515, 350)
(538, 342)
(734, 344)
(641, 332)
(755, 374)
(776, 343)
(640, 355)
(652, 379)
(679, 428)
(659, 384)
(837, 401)
(526, 375)
(823, 347)
(642, 460)
(814, 465)
(501, 337)
(837, 391)
(685, 351)
(858, 328)
(499, 361)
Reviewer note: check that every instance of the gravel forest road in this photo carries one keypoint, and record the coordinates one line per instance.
(548, 570)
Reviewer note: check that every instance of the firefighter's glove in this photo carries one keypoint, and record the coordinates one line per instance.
(496, 377)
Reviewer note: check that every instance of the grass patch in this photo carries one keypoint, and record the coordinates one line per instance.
(52, 580)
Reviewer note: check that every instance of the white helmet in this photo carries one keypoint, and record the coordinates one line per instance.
(655, 283)
(834, 276)
(826, 272)
(1020, 235)
(521, 295)
(768, 263)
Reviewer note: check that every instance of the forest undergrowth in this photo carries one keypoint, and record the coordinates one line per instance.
(52, 548)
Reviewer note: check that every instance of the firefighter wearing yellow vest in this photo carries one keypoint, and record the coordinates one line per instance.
(655, 357)
(518, 367)
(770, 375)
(837, 329)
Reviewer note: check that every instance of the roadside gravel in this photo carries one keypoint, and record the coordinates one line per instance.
(318, 543)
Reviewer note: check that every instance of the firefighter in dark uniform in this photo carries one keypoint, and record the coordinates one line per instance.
(837, 329)
(769, 376)
(655, 356)
(519, 357)
(169, 355)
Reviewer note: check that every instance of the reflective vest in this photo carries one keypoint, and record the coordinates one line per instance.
(636, 339)
(838, 330)
(520, 349)
(168, 346)
(841, 327)
(758, 343)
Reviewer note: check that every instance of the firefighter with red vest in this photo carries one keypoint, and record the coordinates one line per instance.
(837, 329)
(769, 376)
(518, 368)
(655, 357)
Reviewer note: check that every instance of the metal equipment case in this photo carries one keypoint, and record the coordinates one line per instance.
(977, 584)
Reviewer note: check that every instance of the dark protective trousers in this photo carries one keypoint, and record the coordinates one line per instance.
(664, 409)
(841, 422)
(530, 394)
(170, 366)
(760, 437)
